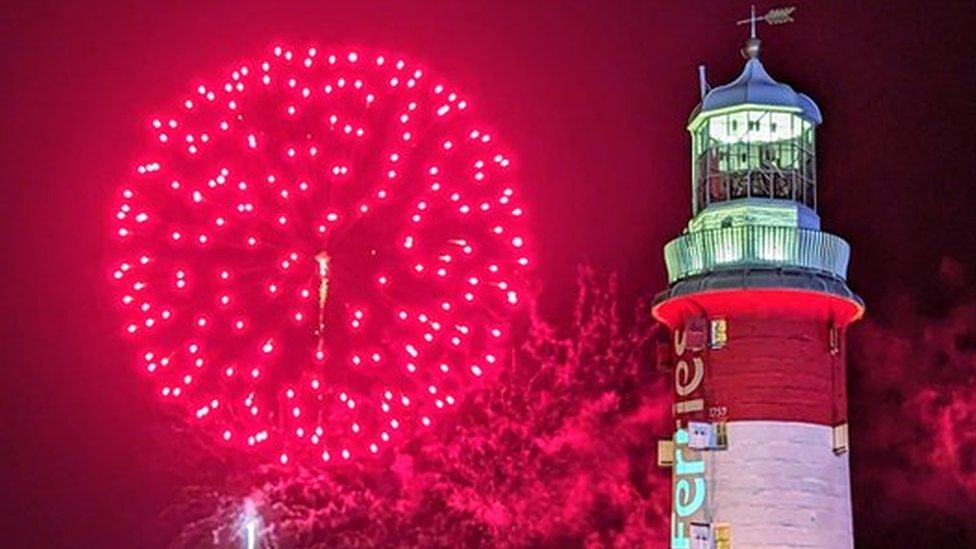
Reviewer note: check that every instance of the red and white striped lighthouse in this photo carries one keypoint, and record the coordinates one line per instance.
(757, 305)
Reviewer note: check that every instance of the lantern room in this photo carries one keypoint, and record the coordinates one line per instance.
(754, 141)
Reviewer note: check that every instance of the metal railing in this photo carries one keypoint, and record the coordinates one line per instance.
(756, 246)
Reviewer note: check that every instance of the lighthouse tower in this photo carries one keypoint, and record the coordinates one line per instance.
(757, 305)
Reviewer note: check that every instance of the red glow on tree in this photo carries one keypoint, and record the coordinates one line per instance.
(557, 452)
(319, 254)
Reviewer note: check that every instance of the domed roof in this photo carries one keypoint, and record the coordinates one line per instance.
(755, 86)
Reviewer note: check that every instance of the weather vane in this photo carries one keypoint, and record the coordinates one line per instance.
(775, 16)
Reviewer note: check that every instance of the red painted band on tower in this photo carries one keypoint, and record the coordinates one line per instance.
(783, 359)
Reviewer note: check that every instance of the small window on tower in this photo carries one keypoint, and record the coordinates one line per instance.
(701, 436)
(719, 333)
(721, 436)
(840, 438)
(695, 334)
(701, 536)
(833, 336)
(665, 453)
(723, 536)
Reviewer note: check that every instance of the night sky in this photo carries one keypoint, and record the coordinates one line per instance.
(592, 96)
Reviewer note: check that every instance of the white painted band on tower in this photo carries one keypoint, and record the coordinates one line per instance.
(779, 485)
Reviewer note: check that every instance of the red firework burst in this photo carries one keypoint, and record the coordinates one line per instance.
(319, 254)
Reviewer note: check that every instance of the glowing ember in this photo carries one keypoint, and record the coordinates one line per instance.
(319, 254)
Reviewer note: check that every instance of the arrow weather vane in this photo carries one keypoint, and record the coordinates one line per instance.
(775, 16)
